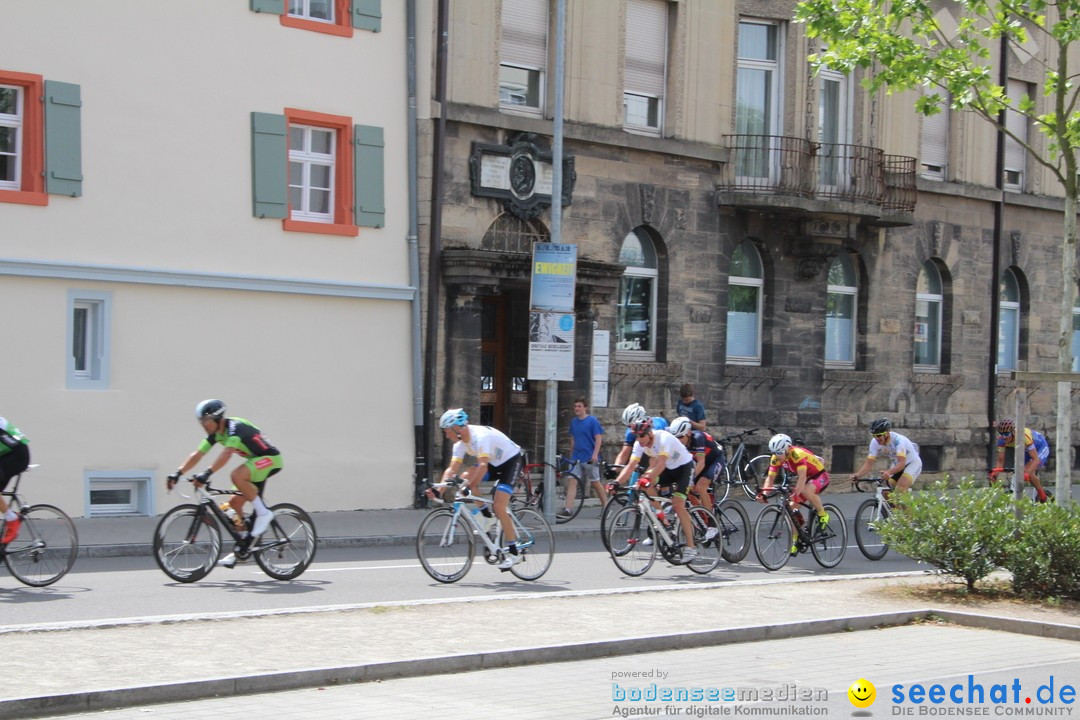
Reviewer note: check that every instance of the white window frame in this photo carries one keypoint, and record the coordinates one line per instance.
(843, 118)
(1015, 153)
(97, 343)
(305, 11)
(851, 291)
(1013, 308)
(138, 482)
(774, 67)
(646, 45)
(522, 56)
(935, 303)
(653, 275)
(15, 122)
(307, 159)
(759, 284)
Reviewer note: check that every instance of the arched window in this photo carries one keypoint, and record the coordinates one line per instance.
(840, 305)
(636, 323)
(1008, 322)
(1076, 336)
(744, 306)
(928, 303)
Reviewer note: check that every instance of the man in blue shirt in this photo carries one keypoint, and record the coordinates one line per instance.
(690, 407)
(586, 438)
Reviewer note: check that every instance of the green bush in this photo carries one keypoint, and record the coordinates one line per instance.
(963, 532)
(1044, 558)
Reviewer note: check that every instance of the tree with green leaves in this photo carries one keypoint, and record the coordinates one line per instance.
(909, 44)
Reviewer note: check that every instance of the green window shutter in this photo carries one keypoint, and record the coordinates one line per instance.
(370, 199)
(63, 139)
(276, 7)
(269, 165)
(367, 15)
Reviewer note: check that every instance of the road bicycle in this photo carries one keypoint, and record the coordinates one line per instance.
(447, 538)
(773, 531)
(740, 472)
(529, 488)
(1029, 490)
(46, 545)
(187, 540)
(869, 516)
(637, 531)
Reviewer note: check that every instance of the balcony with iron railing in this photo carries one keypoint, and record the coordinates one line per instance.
(797, 175)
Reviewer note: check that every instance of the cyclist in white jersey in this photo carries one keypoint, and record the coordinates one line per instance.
(670, 463)
(494, 453)
(905, 465)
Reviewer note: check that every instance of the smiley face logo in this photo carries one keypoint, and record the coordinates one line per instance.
(862, 693)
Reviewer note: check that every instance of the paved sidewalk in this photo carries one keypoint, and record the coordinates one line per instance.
(131, 665)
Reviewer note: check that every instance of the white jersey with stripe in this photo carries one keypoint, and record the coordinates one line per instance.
(486, 443)
(664, 445)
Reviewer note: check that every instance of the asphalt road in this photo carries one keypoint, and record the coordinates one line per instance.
(128, 588)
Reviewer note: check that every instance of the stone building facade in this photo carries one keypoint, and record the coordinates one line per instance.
(861, 255)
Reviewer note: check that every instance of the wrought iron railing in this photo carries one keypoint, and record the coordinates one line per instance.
(781, 165)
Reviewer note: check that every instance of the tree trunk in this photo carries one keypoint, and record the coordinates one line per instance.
(1063, 440)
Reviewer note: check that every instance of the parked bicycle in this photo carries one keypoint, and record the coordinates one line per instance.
(529, 488)
(46, 545)
(636, 532)
(739, 472)
(869, 516)
(782, 526)
(447, 538)
(1029, 490)
(187, 540)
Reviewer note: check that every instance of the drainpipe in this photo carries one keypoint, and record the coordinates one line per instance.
(420, 461)
(995, 280)
(435, 249)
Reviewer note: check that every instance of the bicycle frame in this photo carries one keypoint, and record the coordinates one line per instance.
(207, 502)
(661, 532)
(524, 537)
(783, 493)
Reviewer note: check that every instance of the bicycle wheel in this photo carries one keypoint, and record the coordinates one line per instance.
(830, 544)
(45, 548)
(187, 543)
(288, 546)
(754, 475)
(708, 551)
(562, 482)
(626, 541)
(734, 524)
(445, 547)
(615, 502)
(722, 487)
(867, 520)
(523, 495)
(772, 538)
(536, 543)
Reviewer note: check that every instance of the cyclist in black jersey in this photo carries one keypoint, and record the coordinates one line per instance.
(237, 437)
(14, 459)
(708, 459)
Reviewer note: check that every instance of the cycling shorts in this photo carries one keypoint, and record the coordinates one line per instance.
(677, 478)
(263, 466)
(505, 475)
(710, 472)
(14, 462)
(819, 483)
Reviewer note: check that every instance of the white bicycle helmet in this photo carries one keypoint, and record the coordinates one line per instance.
(455, 417)
(779, 444)
(680, 427)
(632, 414)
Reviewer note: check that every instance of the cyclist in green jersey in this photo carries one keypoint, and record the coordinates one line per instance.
(237, 437)
(14, 459)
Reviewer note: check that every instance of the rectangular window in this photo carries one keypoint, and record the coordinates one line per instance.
(1008, 337)
(843, 459)
(757, 97)
(840, 328)
(1017, 124)
(321, 182)
(523, 44)
(1076, 339)
(743, 323)
(88, 340)
(118, 493)
(22, 157)
(931, 457)
(645, 64)
(934, 142)
(325, 16)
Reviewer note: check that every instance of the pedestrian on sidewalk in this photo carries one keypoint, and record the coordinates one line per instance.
(586, 439)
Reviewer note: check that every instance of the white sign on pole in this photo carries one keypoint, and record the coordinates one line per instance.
(601, 366)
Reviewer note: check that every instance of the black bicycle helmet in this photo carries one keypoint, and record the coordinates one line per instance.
(210, 409)
(880, 425)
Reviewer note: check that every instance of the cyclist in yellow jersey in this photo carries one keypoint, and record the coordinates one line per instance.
(1036, 453)
(808, 468)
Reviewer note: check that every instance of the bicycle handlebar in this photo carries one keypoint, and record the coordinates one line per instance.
(875, 480)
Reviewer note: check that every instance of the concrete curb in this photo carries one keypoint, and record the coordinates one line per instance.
(367, 672)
